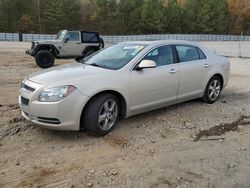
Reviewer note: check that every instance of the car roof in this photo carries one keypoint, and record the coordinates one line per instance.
(82, 31)
(159, 42)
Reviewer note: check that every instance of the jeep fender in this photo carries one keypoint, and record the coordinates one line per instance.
(49, 47)
(88, 48)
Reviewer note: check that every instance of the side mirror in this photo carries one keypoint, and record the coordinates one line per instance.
(66, 39)
(145, 64)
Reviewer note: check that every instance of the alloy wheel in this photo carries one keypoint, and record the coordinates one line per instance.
(214, 90)
(108, 115)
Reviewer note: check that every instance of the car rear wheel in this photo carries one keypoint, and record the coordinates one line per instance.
(213, 90)
(44, 59)
(101, 115)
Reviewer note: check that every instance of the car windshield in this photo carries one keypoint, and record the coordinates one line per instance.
(61, 35)
(114, 57)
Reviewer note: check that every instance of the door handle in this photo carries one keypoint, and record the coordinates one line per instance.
(173, 71)
(206, 65)
(78, 43)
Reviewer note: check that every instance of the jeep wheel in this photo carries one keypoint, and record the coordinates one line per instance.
(44, 59)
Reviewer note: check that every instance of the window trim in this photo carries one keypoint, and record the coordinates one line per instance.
(198, 49)
(178, 57)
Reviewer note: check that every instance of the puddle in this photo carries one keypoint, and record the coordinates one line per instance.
(223, 128)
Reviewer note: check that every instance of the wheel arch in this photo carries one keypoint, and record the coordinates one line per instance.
(220, 77)
(210, 75)
(48, 47)
(205, 97)
(120, 97)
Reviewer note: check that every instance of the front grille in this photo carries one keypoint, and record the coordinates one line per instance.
(28, 88)
(24, 101)
(33, 44)
(49, 120)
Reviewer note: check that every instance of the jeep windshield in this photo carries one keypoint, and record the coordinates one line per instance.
(114, 57)
(61, 34)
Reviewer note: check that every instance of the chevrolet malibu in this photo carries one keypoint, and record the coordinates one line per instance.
(121, 81)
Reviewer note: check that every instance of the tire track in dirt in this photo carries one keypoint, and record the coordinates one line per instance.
(15, 130)
(223, 128)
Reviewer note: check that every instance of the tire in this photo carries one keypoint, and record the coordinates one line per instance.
(44, 59)
(88, 53)
(213, 90)
(99, 117)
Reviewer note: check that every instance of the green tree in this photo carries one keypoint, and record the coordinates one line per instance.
(105, 16)
(126, 16)
(207, 16)
(52, 16)
(151, 17)
(129, 14)
(71, 17)
(175, 18)
(11, 11)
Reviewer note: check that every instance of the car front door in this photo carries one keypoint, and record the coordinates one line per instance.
(193, 67)
(72, 45)
(155, 87)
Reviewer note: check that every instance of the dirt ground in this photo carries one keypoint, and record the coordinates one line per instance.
(187, 145)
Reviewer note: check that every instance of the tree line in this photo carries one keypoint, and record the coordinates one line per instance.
(126, 16)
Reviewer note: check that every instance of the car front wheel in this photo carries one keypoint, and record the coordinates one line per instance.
(101, 115)
(213, 90)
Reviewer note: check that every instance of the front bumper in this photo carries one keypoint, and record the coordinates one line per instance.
(30, 52)
(61, 115)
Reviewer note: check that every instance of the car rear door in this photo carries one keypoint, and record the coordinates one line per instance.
(155, 87)
(193, 67)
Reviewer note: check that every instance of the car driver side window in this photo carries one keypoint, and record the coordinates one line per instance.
(162, 55)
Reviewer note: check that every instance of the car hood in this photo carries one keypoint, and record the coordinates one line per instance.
(67, 73)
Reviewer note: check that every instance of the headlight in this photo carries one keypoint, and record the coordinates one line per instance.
(56, 94)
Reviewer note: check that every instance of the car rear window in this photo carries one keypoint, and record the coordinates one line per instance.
(189, 53)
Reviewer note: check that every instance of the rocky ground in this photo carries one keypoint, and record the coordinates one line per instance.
(192, 144)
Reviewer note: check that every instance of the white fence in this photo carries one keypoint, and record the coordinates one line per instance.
(120, 38)
(190, 37)
(25, 37)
